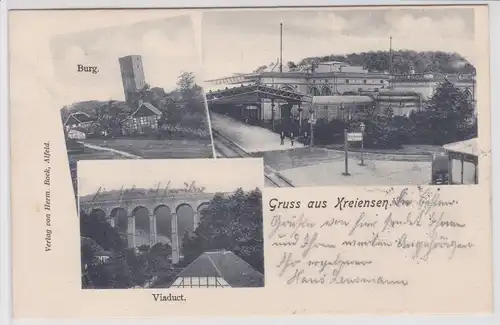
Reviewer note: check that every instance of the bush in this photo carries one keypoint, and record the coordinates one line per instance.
(329, 132)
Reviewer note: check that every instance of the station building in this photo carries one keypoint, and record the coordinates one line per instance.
(339, 91)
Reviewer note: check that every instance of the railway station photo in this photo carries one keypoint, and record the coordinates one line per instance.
(380, 116)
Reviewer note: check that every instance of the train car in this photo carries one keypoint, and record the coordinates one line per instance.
(440, 169)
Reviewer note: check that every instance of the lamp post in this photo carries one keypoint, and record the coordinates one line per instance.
(300, 118)
(312, 121)
(272, 113)
(362, 126)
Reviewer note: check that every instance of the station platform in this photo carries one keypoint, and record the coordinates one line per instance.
(249, 137)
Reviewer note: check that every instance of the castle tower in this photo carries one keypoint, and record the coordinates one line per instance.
(132, 74)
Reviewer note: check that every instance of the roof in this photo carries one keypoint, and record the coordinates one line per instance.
(469, 147)
(80, 117)
(397, 93)
(254, 93)
(209, 88)
(329, 100)
(97, 250)
(79, 129)
(226, 264)
(148, 106)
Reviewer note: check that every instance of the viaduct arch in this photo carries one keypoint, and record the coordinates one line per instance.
(140, 216)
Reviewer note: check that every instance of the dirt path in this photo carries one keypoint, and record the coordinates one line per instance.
(122, 153)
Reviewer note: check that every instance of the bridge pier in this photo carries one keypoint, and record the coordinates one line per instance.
(152, 229)
(131, 232)
(196, 217)
(175, 239)
(112, 221)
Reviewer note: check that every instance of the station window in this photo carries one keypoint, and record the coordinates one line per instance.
(314, 81)
(326, 81)
(347, 81)
(364, 81)
(381, 81)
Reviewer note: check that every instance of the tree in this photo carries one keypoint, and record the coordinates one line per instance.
(96, 227)
(192, 96)
(186, 81)
(291, 65)
(109, 117)
(188, 88)
(135, 97)
(97, 235)
(115, 273)
(192, 247)
(65, 113)
(425, 61)
(450, 115)
(232, 223)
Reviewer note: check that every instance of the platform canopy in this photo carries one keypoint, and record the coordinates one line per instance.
(469, 147)
(253, 94)
(466, 150)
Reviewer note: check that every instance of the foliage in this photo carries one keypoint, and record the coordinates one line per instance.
(147, 263)
(232, 223)
(183, 110)
(291, 64)
(260, 68)
(447, 117)
(135, 97)
(421, 62)
(126, 267)
(162, 189)
(96, 227)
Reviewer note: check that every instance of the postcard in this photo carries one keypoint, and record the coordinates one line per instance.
(332, 160)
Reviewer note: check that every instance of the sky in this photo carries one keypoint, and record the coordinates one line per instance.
(167, 46)
(216, 175)
(240, 41)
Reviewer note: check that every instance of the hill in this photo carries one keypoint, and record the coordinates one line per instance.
(134, 193)
(422, 62)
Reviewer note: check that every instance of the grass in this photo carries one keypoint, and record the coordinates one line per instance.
(157, 149)
(92, 154)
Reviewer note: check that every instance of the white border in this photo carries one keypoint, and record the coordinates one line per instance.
(5, 252)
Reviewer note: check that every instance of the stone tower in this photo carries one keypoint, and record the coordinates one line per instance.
(132, 74)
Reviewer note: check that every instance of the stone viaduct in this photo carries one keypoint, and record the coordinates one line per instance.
(128, 207)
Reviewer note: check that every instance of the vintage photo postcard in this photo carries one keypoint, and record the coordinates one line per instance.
(171, 224)
(131, 91)
(366, 116)
(347, 96)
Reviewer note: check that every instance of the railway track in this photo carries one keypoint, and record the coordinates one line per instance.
(228, 149)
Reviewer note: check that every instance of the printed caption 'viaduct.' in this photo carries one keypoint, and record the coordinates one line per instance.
(128, 208)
